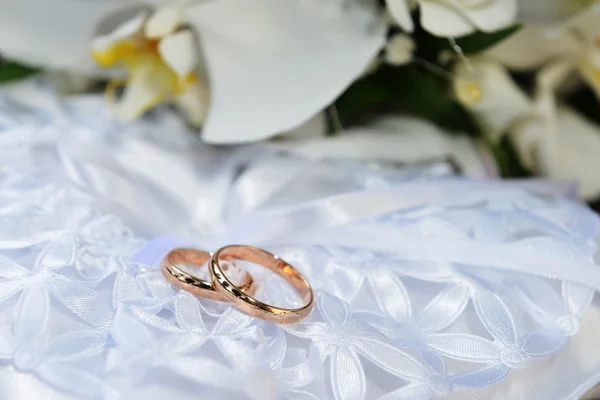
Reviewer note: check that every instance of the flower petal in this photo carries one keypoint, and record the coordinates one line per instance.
(54, 34)
(75, 345)
(163, 21)
(180, 52)
(495, 316)
(401, 13)
(273, 64)
(347, 376)
(334, 311)
(488, 91)
(532, 47)
(441, 19)
(233, 321)
(391, 359)
(187, 312)
(463, 347)
(111, 48)
(391, 295)
(130, 333)
(575, 155)
(32, 314)
(444, 309)
(82, 300)
(194, 101)
(150, 82)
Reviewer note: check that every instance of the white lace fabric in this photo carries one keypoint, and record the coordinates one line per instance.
(424, 289)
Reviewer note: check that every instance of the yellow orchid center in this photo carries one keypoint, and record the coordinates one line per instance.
(149, 81)
(468, 92)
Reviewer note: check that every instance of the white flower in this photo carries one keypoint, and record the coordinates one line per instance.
(552, 140)
(341, 338)
(576, 44)
(403, 139)
(270, 65)
(456, 17)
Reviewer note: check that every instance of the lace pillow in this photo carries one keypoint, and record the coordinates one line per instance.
(428, 289)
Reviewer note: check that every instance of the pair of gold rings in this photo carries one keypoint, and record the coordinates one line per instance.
(221, 288)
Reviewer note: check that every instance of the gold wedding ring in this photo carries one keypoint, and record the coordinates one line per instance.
(243, 299)
(191, 283)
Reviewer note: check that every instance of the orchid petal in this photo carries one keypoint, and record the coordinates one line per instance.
(194, 101)
(274, 64)
(400, 11)
(163, 21)
(111, 48)
(150, 82)
(532, 47)
(574, 156)
(488, 91)
(180, 52)
(441, 19)
(454, 18)
(54, 34)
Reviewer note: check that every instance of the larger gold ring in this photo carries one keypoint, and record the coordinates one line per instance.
(191, 283)
(245, 301)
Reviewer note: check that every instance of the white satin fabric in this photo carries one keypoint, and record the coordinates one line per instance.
(427, 287)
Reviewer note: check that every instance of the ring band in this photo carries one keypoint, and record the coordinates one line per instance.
(191, 283)
(245, 301)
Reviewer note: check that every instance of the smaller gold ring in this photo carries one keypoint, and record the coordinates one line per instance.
(191, 283)
(244, 301)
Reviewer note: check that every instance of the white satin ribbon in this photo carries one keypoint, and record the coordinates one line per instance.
(316, 222)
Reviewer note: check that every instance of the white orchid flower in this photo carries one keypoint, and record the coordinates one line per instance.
(486, 89)
(455, 17)
(553, 141)
(270, 65)
(551, 12)
(575, 43)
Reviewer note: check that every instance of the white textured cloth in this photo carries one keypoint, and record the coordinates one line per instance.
(425, 288)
